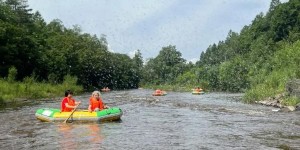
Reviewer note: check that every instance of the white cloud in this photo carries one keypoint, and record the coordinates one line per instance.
(109, 48)
(132, 53)
(193, 60)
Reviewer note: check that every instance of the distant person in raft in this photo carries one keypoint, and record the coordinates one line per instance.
(198, 89)
(68, 103)
(158, 91)
(96, 103)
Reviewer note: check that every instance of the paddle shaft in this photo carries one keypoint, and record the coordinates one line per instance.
(71, 114)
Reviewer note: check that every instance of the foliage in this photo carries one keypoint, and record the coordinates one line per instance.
(233, 75)
(30, 89)
(137, 66)
(260, 59)
(164, 68)
(188, 78)
(51, 51)
(12, 73)
(285, 66)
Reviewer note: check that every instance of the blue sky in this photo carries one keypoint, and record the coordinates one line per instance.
(149, 25)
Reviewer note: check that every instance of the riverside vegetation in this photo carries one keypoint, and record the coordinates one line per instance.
(11, 90)
(259, 60)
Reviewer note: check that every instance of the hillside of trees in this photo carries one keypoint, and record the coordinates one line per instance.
(50, 51)
(257, 60)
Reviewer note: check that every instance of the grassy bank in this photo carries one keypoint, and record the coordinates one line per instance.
(285, 66)
(30, 89)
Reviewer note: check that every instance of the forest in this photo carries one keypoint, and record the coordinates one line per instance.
(258, 60)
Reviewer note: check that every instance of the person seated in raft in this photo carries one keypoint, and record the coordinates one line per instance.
(158, 91)
(96, 103)
(68, 103)
(105, 89)
(198, 89)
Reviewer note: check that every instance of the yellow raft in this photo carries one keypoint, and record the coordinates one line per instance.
(55, 115)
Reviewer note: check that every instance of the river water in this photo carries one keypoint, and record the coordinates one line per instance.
(178, 120)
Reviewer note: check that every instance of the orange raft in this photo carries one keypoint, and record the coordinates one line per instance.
(162, 93)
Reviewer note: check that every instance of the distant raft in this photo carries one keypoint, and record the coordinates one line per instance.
(105, 90)
(160, 94)
(55, 115)
(198, 93)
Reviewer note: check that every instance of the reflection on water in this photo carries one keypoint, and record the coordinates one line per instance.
(76, 136)
(95, 133)
(176, 121)
(67, 140)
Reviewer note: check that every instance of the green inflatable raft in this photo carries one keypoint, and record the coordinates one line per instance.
(55, 115)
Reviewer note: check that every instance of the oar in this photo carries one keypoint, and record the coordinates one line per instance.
(71, 114)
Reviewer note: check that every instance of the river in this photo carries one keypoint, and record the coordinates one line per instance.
(178, 120)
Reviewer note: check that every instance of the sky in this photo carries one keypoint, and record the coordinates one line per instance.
(149, 25)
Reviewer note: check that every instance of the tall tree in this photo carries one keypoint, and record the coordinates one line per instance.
(274, 4)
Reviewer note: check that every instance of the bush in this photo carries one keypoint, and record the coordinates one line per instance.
(12, 74)
(291, 101)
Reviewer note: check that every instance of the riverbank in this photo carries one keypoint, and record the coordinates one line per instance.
(29, 89)
(289, 100)
(283, 102)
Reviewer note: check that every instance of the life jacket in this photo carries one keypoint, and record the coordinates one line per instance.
(70, 102)
(96, 103)
(158, 91)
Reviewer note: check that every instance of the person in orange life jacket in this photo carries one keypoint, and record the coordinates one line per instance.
(197, 89)
(158, 91)
(96, 103)
(68, 103)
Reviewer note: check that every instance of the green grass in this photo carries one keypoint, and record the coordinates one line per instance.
(29, 89)
(285, 66)
(291, 101)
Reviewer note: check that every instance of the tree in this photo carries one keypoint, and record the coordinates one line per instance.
(17, 40)
(166, 66)
(138, 60)
(274, 4)
(138, 65)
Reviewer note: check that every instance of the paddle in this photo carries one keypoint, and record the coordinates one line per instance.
(71, 114)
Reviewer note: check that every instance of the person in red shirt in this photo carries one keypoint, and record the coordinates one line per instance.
(158, 91)
(198, 89)
(96, 103)
(68, 103)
